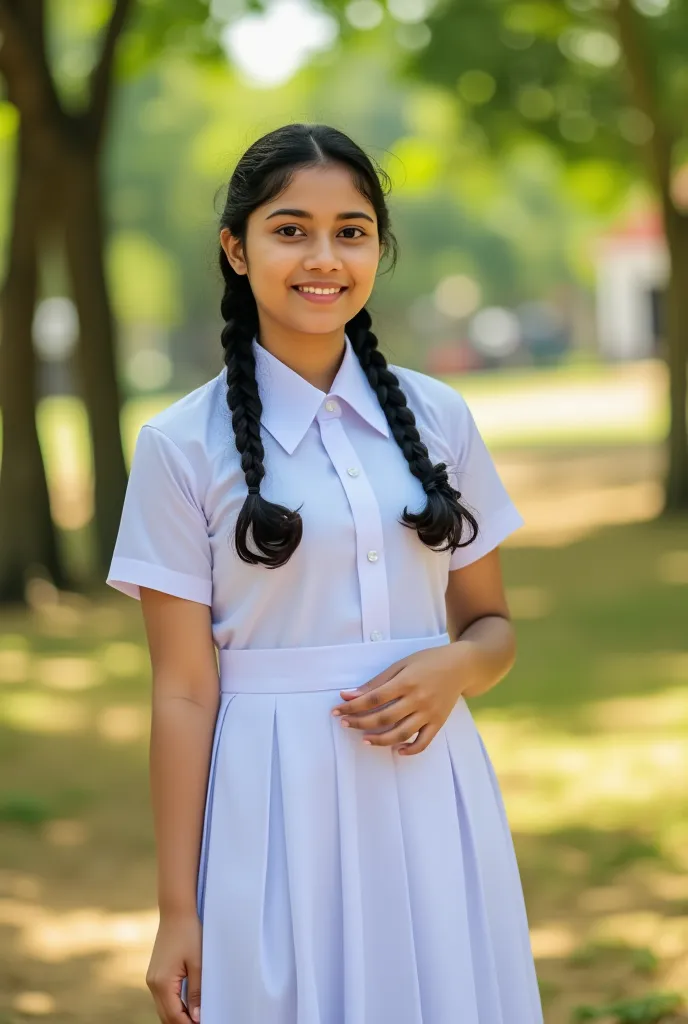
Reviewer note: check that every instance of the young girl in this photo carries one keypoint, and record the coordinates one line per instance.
(332, 844)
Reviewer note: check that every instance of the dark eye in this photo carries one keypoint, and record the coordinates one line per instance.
(294, 227)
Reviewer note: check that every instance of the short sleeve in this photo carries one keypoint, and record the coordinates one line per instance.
(483, 492)
(162, 541)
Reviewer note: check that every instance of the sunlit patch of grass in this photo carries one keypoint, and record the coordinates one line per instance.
(56, 936)
(66, 832)
(43, 713)
(555, 780)
(530, 602)
(15, 665)
(672, 567)
(123, 724)
(68, 673)
(123, 659)
(34, 1004)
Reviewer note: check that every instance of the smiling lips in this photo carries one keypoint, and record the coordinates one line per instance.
(320, 294)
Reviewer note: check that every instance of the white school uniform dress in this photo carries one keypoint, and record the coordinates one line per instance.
(338, 883)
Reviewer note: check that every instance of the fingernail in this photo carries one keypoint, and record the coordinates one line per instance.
(196, 1014)
(336, 712)
(354, 690)
(368, 743)
(345, 724)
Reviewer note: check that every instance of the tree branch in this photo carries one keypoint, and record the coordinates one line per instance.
(659, 148)
(102, 75)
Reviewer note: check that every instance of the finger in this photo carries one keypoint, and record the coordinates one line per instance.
(422, 740)
(401, 732)
(372, 684)
(382, 694)
(168, 1002)
(193, 996)
(381, 718)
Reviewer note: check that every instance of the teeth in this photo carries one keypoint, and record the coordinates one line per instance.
(320, 291)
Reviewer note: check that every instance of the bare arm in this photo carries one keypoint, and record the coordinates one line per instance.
(477, 611)
(184, 709)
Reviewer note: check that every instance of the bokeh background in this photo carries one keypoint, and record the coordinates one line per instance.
(538, 156)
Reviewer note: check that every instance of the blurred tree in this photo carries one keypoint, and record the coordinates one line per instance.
(600, 79)
(63, 123)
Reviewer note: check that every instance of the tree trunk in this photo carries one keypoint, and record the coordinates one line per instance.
(676, 499)
(96, 360)
(27, 534)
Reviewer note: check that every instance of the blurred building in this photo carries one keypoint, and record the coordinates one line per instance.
(632, 269)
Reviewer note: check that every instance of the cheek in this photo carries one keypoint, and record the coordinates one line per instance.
(362, 264)
(273, 266)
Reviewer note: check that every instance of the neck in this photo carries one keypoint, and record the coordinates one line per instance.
(315, 357)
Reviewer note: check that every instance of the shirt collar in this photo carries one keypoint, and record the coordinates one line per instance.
(290, 403)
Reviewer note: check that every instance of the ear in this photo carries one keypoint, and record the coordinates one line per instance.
(234, 250)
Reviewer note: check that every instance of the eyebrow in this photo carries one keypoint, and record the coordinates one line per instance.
(351, 215)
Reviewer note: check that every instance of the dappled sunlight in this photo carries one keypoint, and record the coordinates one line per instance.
(57, 613)
(43, 713)
(66, 446)
(65, 832)
(15, 665)
(552, 941)
(667, 936)
(123, 724)
(557, 520)
(559, 408)
(68, 673)
(34, 1004)
(109, 618)
(553, 779)
(122, 659)
(530, 602)
(124, 940)
(663, 710)
(672, 567)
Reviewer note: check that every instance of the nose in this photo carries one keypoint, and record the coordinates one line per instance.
(323, 255)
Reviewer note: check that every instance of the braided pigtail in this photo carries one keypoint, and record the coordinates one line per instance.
(440, 523)
(276, 531)
(263, 173)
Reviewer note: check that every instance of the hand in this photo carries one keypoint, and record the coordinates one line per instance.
(414, 695)
(176, 955)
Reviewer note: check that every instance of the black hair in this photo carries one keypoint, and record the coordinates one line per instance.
(262, 173)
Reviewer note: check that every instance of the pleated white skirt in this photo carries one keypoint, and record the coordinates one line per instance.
(344, 884)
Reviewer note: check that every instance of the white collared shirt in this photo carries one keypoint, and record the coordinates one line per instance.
(358, 575)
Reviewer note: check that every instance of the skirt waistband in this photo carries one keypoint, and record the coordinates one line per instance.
(308, 669)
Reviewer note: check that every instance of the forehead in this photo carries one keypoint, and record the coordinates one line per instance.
(321, 190)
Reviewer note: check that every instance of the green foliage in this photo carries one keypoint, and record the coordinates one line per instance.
(170, 28)
(558, 70)
(640, 959)
(650, 1009)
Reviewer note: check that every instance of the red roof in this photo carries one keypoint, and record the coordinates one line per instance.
(641, 226)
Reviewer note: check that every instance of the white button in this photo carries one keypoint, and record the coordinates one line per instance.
(331, 406)
(372, 556)
(376, 635)
(353, 471)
